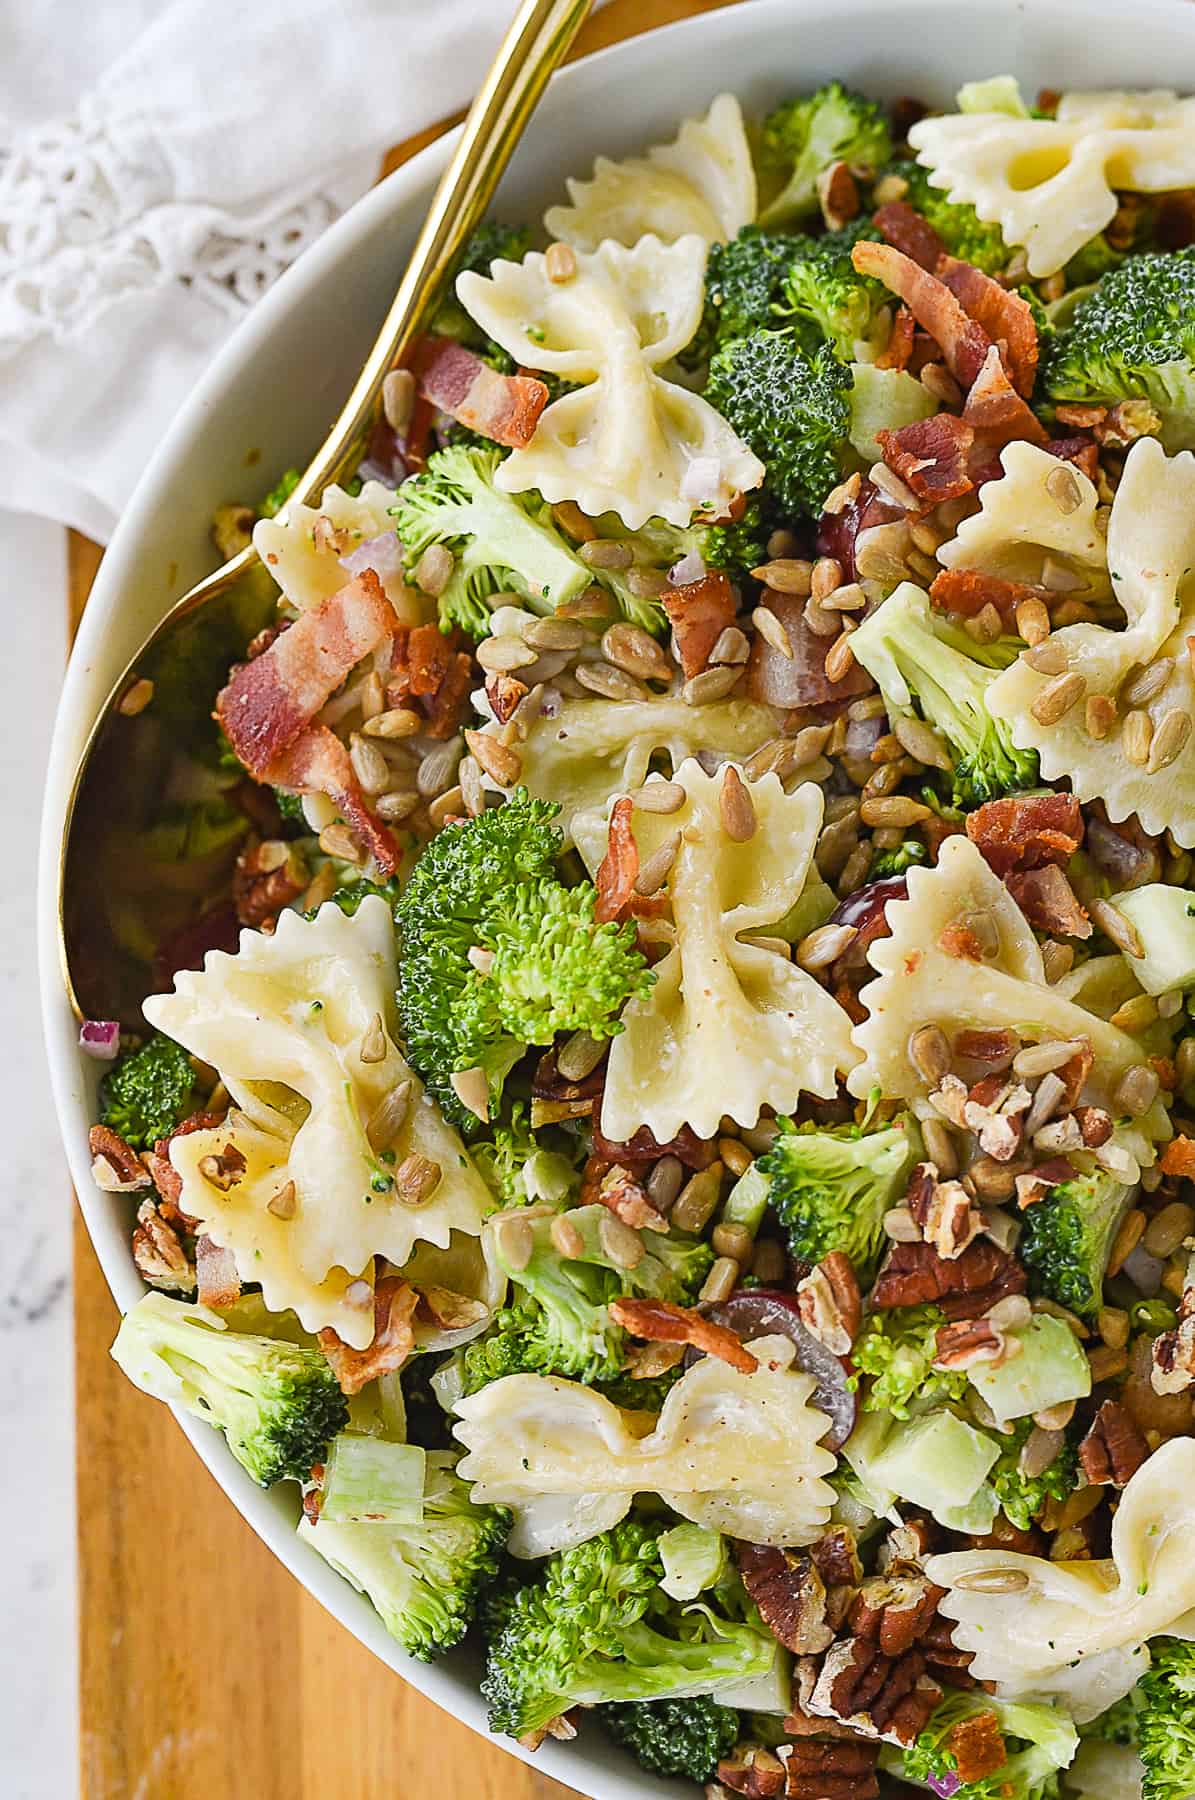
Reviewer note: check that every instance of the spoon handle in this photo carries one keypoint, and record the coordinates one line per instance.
(534, 46)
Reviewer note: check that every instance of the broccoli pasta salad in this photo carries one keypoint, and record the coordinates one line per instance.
(667, 1111)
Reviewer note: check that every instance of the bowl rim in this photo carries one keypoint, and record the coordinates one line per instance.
(82, 694)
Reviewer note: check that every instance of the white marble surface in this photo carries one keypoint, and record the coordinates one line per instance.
(38, 1728)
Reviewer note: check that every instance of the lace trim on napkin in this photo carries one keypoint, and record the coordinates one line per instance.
(88, 217)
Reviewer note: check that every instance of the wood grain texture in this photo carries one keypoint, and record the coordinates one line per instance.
(206, 1672)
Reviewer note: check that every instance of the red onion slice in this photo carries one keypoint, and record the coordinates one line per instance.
(100, 1038)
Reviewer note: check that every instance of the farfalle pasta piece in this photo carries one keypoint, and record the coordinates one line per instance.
(1050, 184)
(301, 1026)
(1143, 760)
(1041, 508)
(738, 1453)
(961, 954)
(729, 1027)
(1031, 1623)
(591, 749)
(626, 440)
(702, 182)
(304, 556)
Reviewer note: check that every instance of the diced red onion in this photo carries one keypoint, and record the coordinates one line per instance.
(945, 1784)
(100, 1038)
(382, 554)
(689, 568)
(1144, 1271)
(862, 736)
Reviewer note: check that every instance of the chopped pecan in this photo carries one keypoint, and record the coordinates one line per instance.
(665, 1323)
(267, 877)
(394, 1303)
(838, 195)
(830, 1304)
(838, 1771)
(879, 1696)
(893, 1610)
(1036, 1183)
(788, 1589)
(994, 1047)
(970, 1341)
(752, 1770)
(1173, 1367)
(1049, 902)
(158, 1253)
(836, 1555)
(116, 1166)
(802, 1724)
(942, 1211)
(966, 1287)
(910, 1542)
(224, 1169)
(216, 1274)
(1026, 831)
(946, 1661)
(1114, 1449)
(166, 1177)
(504, 693)
(977, 1745)
(1095, 1125)
(618, 1191)
(1074, 1075)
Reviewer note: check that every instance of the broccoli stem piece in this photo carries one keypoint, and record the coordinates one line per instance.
(277, 1403)
(1067, 1239)
(922, 673)
(147, 1092)
(423, 1579)
(830, 1189)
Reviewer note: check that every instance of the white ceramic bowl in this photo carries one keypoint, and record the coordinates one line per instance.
(278, 383)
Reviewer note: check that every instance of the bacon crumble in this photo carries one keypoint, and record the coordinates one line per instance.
(504, 408)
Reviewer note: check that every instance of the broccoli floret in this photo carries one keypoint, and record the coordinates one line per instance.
(279, 494)
(1092, 262)
(148, 1092)
(823, 289)
(1118, 1725)
(640, 1394)
(1133, 338)
(926, 672)
(1067, 1238)
(349, 897)
(521, 1166)
(674, 1737)
(907, 855)
(424, 1580)
(597, 1627)
(1166, 1721)
(744, 280)
(896, 1350)
(831, 1188)
(804, 136)
(1023, 1496)
(1041, 1740)
(277, 1403)
(737, 546)
(490, 883)
(793, 410)
(957, 224)
(741, 545)
(491, 242)
(290, 808)
(499, 543)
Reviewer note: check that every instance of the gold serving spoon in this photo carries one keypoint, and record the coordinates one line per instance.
(116, 898)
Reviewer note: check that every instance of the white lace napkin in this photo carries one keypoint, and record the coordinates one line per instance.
(145, 208)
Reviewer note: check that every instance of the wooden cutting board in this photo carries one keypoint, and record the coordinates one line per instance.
(206, 1672)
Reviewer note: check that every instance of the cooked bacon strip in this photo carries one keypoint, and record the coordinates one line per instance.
(663, 1323)
(995, 410)
(930, 456)
(909, 232)
(899, 348)
(978, 1747)
(394, 1304)
(431, 672)
(318, 763)
(799, 679)
(270, 700)
(964, 343)
(503, 408)
(216, 1270)
(1002, 314)
(967, 591)
(1084, 452)
(1026, 831)
(1049, 902)
(699, 612)
(619, 867)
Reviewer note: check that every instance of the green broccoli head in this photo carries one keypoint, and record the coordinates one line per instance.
(1133, 338)
(1040, 1739)
(959, 226)
(907, 855)
(349, 897)
(1067, 1239)
(831, 1188)
(596, 1627)
(640, 1394)
(277, 1403)
(824, 291)
(521, 1166)
(927, 672)
(674, 1737)
(804, 136)
(1023, 1496)
(279, 494)
(1166, 1721)
(792, 409)
(744, 280)
(740, 545)
(896, 1352)
(1118, 1725)
(490, 884)
(148, 1092)
(424, 1580)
